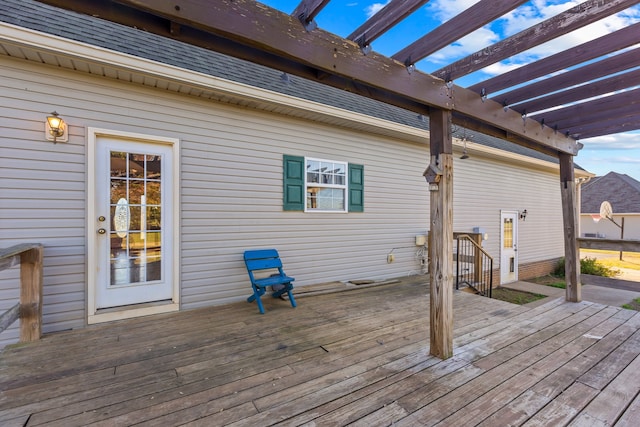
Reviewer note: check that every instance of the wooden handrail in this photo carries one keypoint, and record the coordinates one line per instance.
(609, 244)
(29, 309)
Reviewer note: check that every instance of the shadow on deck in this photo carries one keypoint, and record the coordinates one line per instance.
(356, 357)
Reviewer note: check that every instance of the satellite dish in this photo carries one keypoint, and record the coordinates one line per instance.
(606, 211)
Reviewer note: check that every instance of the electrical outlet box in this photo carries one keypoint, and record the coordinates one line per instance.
(421, 240)
(390, 258)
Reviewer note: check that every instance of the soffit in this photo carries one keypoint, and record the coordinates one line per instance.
(59, 53)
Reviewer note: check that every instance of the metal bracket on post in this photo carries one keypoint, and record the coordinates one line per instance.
(308, 24)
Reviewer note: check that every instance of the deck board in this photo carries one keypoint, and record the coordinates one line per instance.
(358, 357)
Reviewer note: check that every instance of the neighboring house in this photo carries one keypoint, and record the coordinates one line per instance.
(178, 159)
(623, 193)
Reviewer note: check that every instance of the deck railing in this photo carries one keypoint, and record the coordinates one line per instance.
(474, 266)
(609, 244)
(29, 309)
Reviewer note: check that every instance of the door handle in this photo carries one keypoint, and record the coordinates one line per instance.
(101, 231)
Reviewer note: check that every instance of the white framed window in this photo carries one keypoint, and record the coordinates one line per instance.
(320, 185)
(325, 185)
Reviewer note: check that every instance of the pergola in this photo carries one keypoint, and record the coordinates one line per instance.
(597, 96)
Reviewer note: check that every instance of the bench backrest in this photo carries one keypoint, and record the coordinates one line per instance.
(262, 259)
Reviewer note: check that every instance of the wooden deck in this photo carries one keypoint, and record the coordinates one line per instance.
(358, 357)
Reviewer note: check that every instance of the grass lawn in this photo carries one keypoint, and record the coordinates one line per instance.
(549, 280)
(514, 296)
(611, 259)
(633, 305)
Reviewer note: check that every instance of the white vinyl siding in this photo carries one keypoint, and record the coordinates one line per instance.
(231, 191)
(483, 187)
(606, 228)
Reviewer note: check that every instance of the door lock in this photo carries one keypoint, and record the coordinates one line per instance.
(101, 231)
(101, 218)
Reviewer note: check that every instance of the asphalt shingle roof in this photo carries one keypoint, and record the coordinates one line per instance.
(91, 30)
(622, 191)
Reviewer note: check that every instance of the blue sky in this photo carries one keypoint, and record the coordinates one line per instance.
(618, 153)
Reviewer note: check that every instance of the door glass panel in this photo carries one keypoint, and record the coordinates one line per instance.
(136, 232)
(507, 226)
(136, 165)
(153, 217)
(153, 193)
(118, 190)
(136, 191)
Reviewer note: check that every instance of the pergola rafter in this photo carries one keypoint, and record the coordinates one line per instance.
(307, 10)
(601, 87)
(605, 45)
(599, 109)
(590, 72)
(394, 12)
(457, 27)
(616, 125)
(554, 27)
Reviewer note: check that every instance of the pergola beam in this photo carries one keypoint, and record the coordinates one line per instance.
(267, 36)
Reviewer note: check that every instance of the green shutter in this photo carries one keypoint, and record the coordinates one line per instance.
(293, 183)
(356, 188)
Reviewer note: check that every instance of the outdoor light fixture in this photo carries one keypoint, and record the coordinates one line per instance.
(464, 150)
(286, 78)
(56, 128)
(523, 215)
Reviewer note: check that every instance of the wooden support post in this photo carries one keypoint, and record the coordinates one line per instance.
(440, 178)
(570, 221)
(31, 294)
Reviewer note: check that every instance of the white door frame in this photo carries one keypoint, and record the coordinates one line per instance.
(93, 314)
(508, 255)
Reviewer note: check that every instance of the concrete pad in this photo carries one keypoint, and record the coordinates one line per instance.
(608, 296)
(592, 293)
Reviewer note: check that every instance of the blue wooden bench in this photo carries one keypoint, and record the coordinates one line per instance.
(267, 259)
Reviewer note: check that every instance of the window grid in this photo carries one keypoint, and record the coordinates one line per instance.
(326, 185)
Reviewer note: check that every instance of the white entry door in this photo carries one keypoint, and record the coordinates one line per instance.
(509, 246)
(133, 224)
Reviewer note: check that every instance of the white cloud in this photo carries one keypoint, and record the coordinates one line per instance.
(518, 20)
(465, 46)
(620, 141)
(531, 14)
(443, 10)
(619, 153)
(374, 8)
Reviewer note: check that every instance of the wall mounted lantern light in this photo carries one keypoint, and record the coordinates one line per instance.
(465, 155)
(56, 128)
(523, 215)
